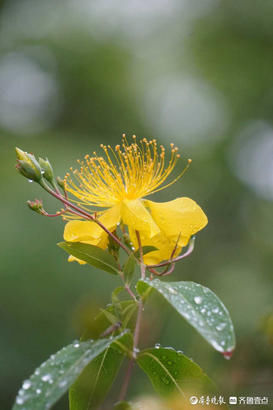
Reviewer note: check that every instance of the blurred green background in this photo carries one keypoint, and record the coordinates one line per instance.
(76, 73)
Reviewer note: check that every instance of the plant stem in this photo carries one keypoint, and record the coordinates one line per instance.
(127, 378)
(137, 328)
(184, 255)
(142, 264)
(128, 289)
(128, 373)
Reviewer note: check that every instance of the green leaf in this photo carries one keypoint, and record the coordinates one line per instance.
(54, 377)
(200, 307)
(172, 372)
(90, 389)
(122, 405)
(129, 268)
(93, 255)
(145, 250)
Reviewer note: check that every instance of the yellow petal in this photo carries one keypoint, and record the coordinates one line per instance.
(79, 231)
(182, 216)
(90, 232)
(111, 218)
(82, 231)
(135, 215)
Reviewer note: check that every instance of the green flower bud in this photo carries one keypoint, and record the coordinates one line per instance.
(28, 171)
(36, 206)
(28, 166)
(47, 170)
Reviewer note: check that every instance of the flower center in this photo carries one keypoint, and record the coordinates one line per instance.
(130, 171)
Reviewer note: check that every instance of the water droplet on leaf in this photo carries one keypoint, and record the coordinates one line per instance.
(26, 384)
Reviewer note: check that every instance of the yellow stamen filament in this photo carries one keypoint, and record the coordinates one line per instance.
(130, 171)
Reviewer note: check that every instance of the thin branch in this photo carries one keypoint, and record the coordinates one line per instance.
(128, 289)
(142, 265)
(127, 378)
(170, 261)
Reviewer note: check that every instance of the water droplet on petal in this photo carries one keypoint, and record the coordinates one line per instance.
(198, 300)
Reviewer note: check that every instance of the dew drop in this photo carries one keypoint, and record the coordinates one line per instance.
(38, 391)
(221, 326)
(157, 346)
(30, 180)
(26, 384)
(198, 300)
(173, 291)
(19, 400)
(76, 345)
(46, 377)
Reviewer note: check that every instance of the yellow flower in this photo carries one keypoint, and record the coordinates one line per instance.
(117, 183)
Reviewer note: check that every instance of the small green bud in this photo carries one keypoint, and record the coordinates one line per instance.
(36, 206)
(47, 170)
(60, 182)
(28, 171)
(28, 166)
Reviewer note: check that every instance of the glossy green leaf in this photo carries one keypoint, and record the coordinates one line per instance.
(172, 372)
(54, 377)
(90, 389)
(93, 255)
(200, 307)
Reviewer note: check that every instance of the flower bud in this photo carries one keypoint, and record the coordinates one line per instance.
(47, 170)
(28, 166)
(28, 171)
(36, 206)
